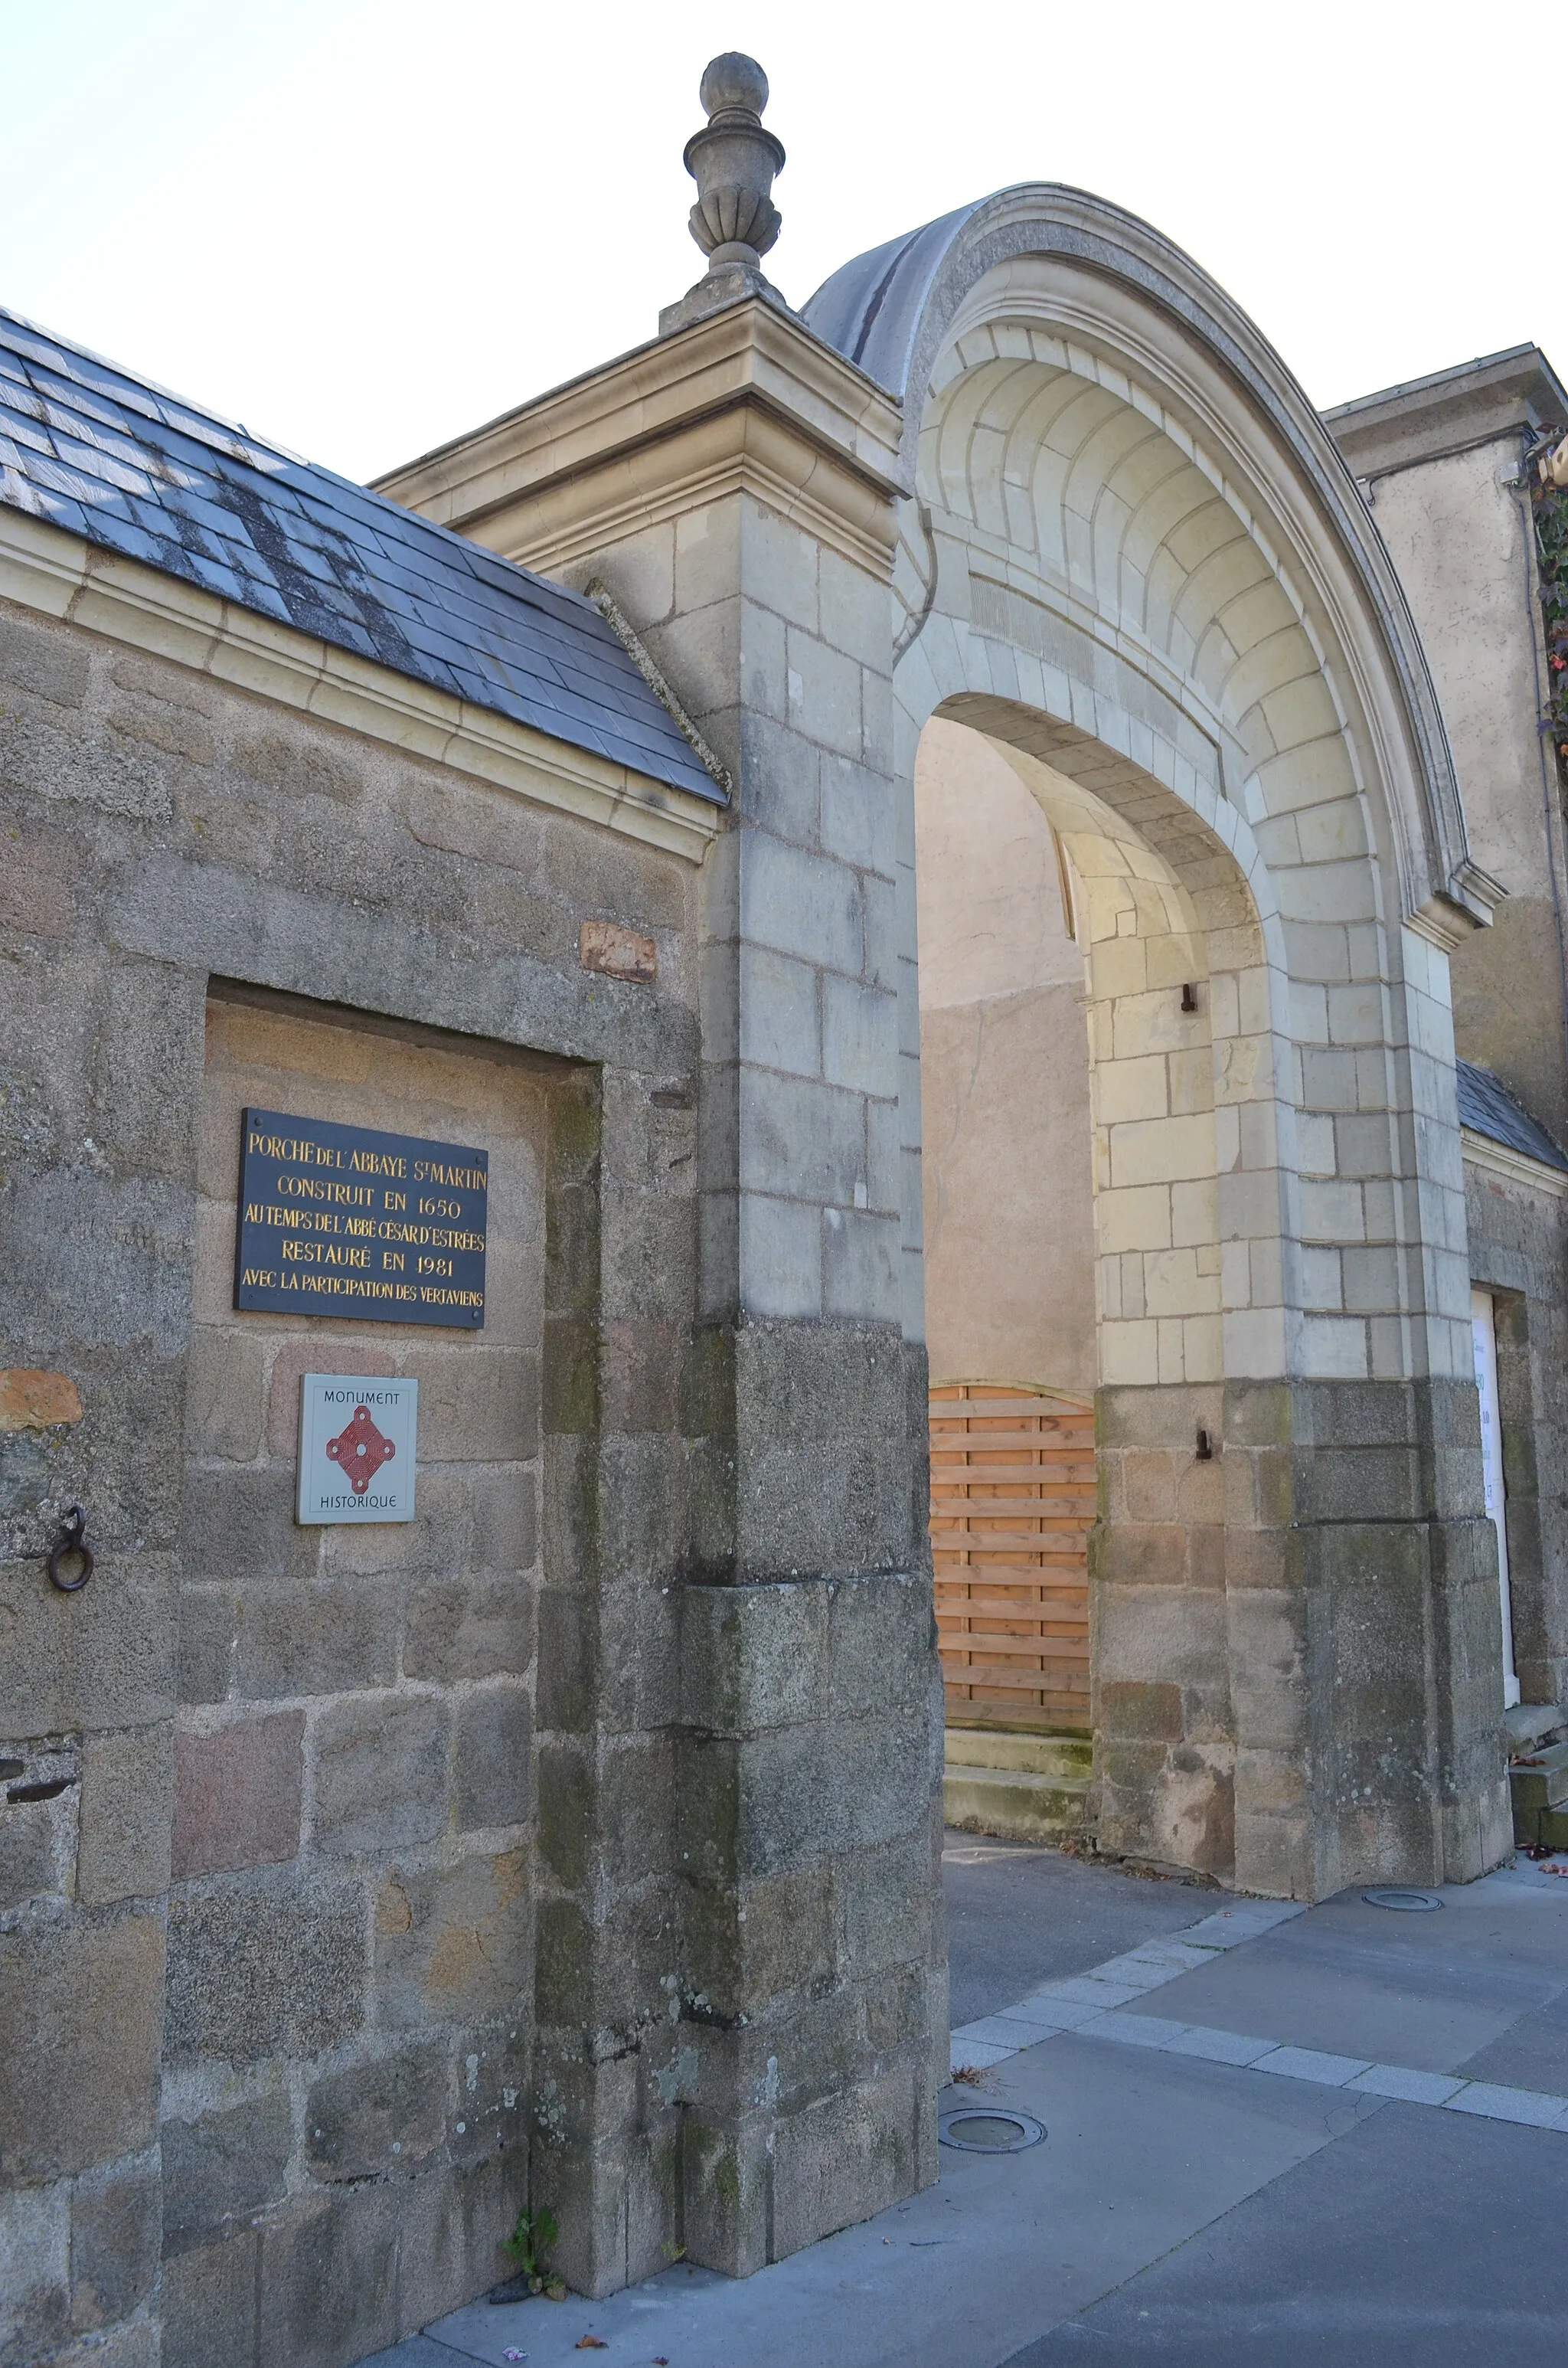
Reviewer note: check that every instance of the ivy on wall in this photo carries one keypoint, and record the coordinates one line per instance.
(1549, 504)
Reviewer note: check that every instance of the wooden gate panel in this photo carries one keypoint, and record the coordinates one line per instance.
(1011, 1499)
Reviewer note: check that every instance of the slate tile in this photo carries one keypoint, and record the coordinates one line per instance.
(139, 470)
(214, 577)
(67, 401)
(60, 509)
(23, 428)
(124, 535)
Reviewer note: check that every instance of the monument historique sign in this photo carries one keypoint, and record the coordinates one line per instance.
(344, 1221)
(358, 1435)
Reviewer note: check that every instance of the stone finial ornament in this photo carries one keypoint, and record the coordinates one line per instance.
(733, 162)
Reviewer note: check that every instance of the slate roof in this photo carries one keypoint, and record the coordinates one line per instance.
(1488, 1109)
(870, 311)
(125, 464)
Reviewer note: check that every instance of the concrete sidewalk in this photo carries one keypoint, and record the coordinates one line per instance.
(1235, 2174)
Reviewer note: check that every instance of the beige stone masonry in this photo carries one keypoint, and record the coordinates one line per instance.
(732, 486)
(1123, 593)
(743, 401)
(1110, 572)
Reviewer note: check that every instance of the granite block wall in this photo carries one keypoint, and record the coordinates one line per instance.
(1272, 1627)
(808, 1768)
(283, 1808)
(351, 1945)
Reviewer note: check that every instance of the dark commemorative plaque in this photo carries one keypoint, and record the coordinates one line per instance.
(344, 1220)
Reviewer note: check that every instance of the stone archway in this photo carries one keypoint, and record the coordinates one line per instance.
(1122, 546)
(1130, 556)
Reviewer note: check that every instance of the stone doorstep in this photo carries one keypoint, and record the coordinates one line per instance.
(1028, 1754)
(1545, 1827)
(1013, 1804)
(1541, 1781)
(1530, 1724)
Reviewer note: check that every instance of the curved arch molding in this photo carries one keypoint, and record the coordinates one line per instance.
(1129, 313)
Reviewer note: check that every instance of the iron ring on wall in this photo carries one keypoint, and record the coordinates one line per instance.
(70, 1546)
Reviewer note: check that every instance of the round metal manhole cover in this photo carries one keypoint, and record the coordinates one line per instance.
(1414, 1903)
(989, 2129)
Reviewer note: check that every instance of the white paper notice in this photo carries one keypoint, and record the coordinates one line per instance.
(356, 1441)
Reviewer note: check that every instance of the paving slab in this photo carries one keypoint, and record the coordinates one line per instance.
(1221, 2046)
(1535, 2108)
(1312, 2064)
(1533, 2054)
(1527, 2106)
(1428, 1991)
(1411, 2087)
(1418, 2241)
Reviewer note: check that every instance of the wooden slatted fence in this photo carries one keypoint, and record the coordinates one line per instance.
(1011, 1499)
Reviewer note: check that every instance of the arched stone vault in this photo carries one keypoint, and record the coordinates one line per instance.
(1122, 310)
(1160, 906)
(1095, 565)
(1130, 556)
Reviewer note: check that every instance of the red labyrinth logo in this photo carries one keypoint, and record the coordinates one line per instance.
(361, 1449)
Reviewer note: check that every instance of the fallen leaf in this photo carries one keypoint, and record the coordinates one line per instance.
(590, 2343)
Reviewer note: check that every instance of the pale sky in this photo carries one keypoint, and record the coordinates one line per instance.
(362, 226)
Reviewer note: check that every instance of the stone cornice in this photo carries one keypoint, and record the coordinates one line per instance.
(1500, 398)
(48, 569)
(1513, 1166)
(744, 400)
(1447, 920)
